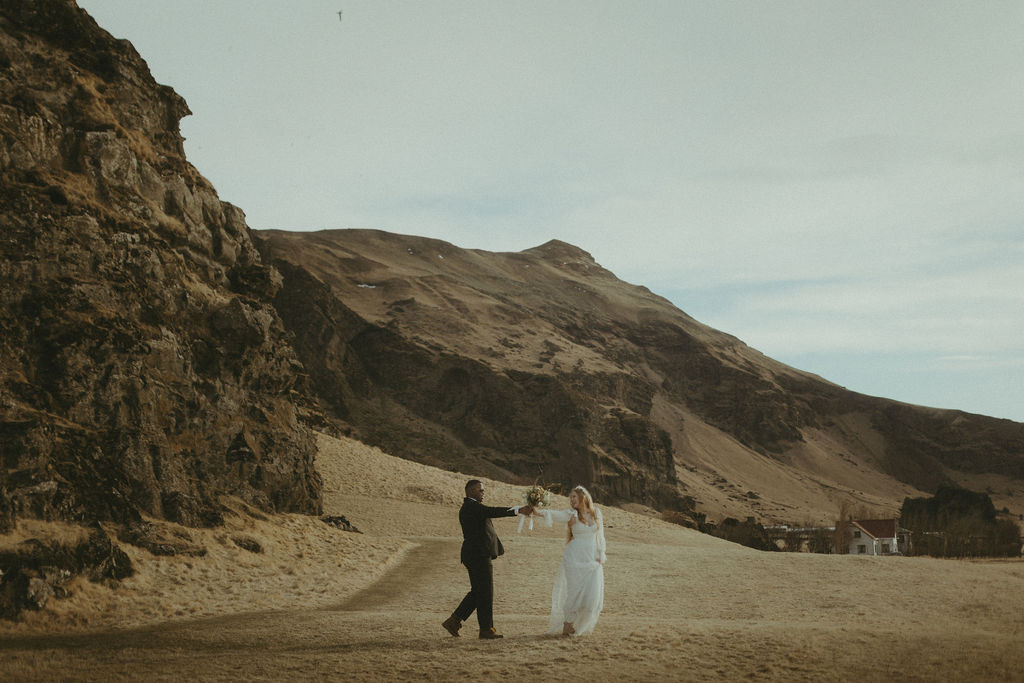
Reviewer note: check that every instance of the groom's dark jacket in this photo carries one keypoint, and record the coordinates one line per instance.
(478, 538)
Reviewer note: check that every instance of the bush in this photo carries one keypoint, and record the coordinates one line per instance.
(748, 533)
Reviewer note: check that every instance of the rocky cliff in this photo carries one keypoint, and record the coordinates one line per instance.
(143, 369)
(544, 365)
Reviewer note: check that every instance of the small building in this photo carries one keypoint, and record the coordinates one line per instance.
(877, 537)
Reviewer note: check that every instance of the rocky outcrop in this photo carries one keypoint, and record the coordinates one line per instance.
(36, 572)
(160, 539)
(143, 368)
(339, 522)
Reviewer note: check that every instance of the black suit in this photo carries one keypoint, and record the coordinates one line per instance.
(480, 545)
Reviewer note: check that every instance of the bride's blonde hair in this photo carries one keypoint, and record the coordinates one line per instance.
(586, 508)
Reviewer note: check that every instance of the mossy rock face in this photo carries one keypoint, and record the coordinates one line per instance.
(139, 345)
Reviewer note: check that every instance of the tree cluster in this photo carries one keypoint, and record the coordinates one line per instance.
(749, 533)
(957, 522)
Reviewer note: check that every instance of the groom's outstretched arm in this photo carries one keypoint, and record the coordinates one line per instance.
(507, 511)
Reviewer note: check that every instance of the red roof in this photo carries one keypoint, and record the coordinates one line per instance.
(878, 528)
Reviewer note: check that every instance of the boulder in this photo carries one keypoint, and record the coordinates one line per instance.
(339, 522)
(160, 539)
(23, 589)
(247, 543)
(37, 571)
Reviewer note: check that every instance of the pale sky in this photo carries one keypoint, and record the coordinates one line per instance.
(838, 184)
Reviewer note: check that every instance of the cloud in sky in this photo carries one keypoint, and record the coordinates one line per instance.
(838, 184)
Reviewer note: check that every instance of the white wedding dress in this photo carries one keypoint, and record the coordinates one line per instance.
(578, 594)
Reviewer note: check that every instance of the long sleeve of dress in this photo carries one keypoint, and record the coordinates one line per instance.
(601, 557)
(552, 516)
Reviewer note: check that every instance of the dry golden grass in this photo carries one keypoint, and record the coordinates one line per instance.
(323, 604)
(303, 562)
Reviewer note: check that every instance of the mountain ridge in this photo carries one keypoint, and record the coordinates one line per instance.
(684, 410)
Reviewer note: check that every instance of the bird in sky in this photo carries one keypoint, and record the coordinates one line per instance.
(339, 14)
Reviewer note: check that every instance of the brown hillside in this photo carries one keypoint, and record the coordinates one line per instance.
(542, 364)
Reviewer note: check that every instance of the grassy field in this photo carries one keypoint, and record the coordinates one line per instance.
(318, 603)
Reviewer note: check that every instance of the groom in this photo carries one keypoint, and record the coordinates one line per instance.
(480, 545)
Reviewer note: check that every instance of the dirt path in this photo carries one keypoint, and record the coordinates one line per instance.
(423, 566)
(247, 629)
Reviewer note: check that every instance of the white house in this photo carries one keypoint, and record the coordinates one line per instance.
(877, 537)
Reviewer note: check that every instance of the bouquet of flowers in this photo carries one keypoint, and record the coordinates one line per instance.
(537, 497)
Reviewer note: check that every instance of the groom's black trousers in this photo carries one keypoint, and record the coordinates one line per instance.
(481, 593)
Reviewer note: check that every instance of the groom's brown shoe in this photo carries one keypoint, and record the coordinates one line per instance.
(452, 625)
(490, 634)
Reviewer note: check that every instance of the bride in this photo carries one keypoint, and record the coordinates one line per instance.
(578, 595)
